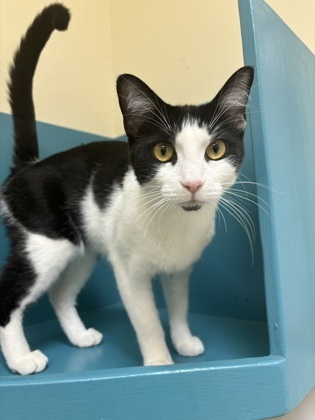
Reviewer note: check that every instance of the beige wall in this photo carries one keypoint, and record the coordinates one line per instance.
(184, 49)
(74, 82)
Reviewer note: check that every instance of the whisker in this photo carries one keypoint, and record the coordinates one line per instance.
(152, 200)
(243, 213)
(149, 194)
(256, 184)
(157, 208)
(238, 193)
(243, 218)
(166, 207)
(223, 218)
(148, 209)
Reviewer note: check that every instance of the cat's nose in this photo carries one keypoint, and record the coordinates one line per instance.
(192, 186)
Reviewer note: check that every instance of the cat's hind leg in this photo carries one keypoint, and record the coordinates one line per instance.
(63, 295)
(175, 287)
(35, 263)
(16, 350)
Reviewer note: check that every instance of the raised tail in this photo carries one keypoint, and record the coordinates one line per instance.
(20, 85)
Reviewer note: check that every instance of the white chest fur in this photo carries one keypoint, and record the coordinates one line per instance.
(161, 239)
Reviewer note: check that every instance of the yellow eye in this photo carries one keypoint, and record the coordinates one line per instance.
(216, 150)
(163, 152)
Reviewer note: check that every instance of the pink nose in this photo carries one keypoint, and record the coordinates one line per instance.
(192, 186)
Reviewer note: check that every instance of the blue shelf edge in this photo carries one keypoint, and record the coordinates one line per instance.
(199, 391)
(285, 67)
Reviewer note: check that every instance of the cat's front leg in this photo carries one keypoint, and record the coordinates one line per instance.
(175, 287)
(135, 288)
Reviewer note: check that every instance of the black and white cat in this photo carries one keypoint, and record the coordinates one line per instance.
(148, 205)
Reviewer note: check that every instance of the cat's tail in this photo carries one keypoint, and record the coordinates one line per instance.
(22, 70)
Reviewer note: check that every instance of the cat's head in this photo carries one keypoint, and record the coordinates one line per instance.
(189, 154)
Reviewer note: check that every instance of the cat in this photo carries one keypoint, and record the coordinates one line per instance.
(148, 205)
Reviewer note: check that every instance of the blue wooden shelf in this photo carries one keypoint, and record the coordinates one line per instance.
(234, 339)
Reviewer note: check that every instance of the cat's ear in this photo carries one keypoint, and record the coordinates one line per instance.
(140, 106)
(232, 99)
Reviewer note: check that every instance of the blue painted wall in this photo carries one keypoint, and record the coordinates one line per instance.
(283, 133)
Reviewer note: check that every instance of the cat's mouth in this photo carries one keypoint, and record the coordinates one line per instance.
(191, 205)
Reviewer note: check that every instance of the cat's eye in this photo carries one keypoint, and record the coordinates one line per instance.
(163, 152)
(216, 150)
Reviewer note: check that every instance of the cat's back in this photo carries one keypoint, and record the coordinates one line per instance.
(46, 195)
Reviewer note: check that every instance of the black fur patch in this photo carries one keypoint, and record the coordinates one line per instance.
(17, 277)
(46, 196)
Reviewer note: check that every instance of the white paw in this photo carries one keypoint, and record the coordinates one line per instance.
(159, 362)
(89, 338)
(32, 362)
(191, 346)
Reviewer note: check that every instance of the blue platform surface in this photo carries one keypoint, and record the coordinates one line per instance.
(254, 310)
